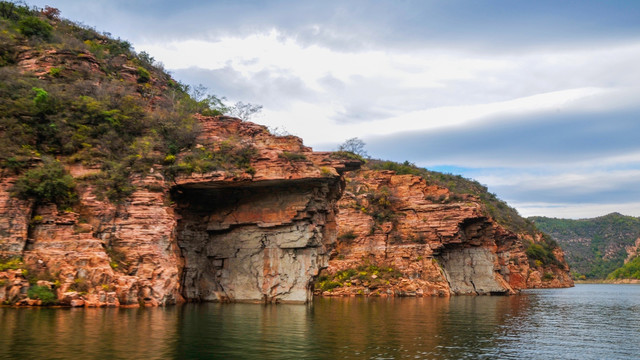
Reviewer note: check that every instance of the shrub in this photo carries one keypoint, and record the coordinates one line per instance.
(80, 285)
(292, 157)
(548, 276)
(346, 155)
(55, 72)
(48, 183)
(12, 263)
(31, 26)
(143, 75)
(117, 257)
(542, 253)
(44, 293)
(347, 236)
(630, 270)
(229, 156)
(329, 285)
(325, 171)
(113, 182)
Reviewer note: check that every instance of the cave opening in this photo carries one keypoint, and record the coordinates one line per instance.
(253, 243)
(469, 264)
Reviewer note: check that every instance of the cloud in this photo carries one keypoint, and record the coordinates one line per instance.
(274, 88)
(502, 25)
(537, 138)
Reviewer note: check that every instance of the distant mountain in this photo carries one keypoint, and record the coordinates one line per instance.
(596, 247)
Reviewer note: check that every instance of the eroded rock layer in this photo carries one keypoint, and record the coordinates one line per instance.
(400, 236)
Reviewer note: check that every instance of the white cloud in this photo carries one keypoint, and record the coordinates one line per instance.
(396, 89)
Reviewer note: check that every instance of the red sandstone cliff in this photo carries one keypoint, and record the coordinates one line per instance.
(233, 234)
(400, 236)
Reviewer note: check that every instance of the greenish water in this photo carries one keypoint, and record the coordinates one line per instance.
(586, 322)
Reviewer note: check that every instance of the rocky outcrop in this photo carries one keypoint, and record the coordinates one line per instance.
(256, 234)
(433, 241)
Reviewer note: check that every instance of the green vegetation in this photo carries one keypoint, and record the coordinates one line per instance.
(542, 253)
(44, 293)
(346, 155)
(366, 274)
(292, 157)
(596, 247)
(347, 236)
(47, 183)
(228, 156)
(630, 270)
(143, 75)
(81, 285)
(99, 104)
(118, 260)
(378, 205)
(12, 263)
(32, 26)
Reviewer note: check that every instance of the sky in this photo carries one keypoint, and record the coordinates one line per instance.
(538, 100)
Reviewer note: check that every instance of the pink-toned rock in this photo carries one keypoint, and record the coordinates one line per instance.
(439, 244)
(272, 224)
(77, 303)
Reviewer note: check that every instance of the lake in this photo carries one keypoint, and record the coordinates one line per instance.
(590, 321)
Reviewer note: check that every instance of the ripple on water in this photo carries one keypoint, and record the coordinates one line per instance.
(585, 322)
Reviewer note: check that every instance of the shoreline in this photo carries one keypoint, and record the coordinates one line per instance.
(609, 281)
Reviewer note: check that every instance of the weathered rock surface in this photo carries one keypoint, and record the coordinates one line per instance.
(227, 235)
(436, 243)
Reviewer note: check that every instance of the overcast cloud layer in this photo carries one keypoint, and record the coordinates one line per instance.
(536, 99)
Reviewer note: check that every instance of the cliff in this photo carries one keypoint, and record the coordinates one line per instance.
(260, 235)
(401, 236)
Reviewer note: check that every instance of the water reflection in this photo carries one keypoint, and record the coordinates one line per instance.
(588, 322)
(86, 333)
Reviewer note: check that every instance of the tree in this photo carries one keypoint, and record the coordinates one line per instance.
(51, 13)
(354, 145)
(244, 111)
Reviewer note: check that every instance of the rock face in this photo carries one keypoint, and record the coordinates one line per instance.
(228, 235)
(435, 242)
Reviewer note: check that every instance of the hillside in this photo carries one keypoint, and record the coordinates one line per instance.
(594, 247)
(72, 93)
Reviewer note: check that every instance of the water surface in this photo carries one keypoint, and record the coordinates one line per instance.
(586, 322)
